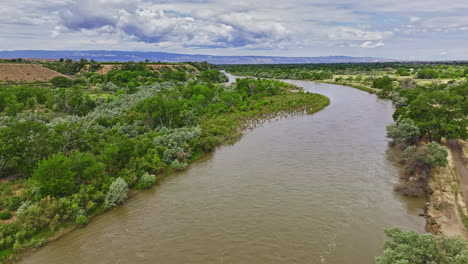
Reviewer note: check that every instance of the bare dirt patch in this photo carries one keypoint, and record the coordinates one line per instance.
(159, 67)
(447, 208)
(107, 68)
(26, 73)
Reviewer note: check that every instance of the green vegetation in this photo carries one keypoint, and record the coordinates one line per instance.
(419, 162)
(403, 132)
(380, 78)
(61, 82)
(352, 72)
(76, 147)
(69, 67)
(72, 150)
(414, 248)
(117, 193)
(428, 74)
(5, 215)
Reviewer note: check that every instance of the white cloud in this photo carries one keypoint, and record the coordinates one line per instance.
(414, 19)
(348, 33)
(296, 27)
(371, 45)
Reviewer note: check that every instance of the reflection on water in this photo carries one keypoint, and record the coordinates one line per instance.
(303, 189)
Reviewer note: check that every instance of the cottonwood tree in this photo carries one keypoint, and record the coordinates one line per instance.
(54, 176)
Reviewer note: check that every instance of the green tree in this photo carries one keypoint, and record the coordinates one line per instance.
(385, 84)
(402, 71)
(413, 248)
(23, 144)
(403, 131)
(428, 74)
(85, 166)
(54, 176)
(163, 109)
(439, 114)
(72, 101)
(61, 82)
(116, 154)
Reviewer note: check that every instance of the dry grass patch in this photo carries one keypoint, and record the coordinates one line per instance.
(23, 73)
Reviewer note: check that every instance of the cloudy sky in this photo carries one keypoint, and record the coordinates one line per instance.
(399, 29)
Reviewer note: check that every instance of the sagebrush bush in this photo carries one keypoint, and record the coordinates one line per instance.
(117, 193)
(81, 220)
(24, 206)
(177, 165)
(146, 181)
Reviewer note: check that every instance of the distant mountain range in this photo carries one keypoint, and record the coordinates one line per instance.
(112, 56)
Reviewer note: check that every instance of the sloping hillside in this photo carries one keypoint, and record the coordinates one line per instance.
(26, 73)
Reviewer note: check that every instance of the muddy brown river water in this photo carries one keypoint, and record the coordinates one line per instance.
(303, 189)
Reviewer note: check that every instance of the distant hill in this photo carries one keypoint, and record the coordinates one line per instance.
(102, 55)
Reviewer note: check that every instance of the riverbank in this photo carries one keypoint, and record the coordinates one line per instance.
(356, 86)
(218, 129)
(353, 85)
(446, 210)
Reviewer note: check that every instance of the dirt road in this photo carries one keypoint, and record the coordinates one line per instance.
(460, 165)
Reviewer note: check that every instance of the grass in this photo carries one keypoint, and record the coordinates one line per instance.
(464, 218)
(5, 253)
(359, 87)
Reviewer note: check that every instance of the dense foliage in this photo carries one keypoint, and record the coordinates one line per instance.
(324, 71)
(404, 132)
(71, 67)
(76, 150)
(414, 248)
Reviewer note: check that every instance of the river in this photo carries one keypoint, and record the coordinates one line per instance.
(303, 189)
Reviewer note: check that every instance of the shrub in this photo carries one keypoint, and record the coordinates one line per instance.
(403, 131)
(411, 247)
(426, 157)
(17, 246)
(24, 206)
(177, 165)
(117, 193)
(36, 242)
(14, 203)
(419, 161)
(109, 87)
(81, 220)
(437, 155)
(146, 181)
(85, 166)
(5, 215)
(61, 82)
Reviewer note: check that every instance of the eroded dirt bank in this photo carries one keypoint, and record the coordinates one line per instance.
(446, 211)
